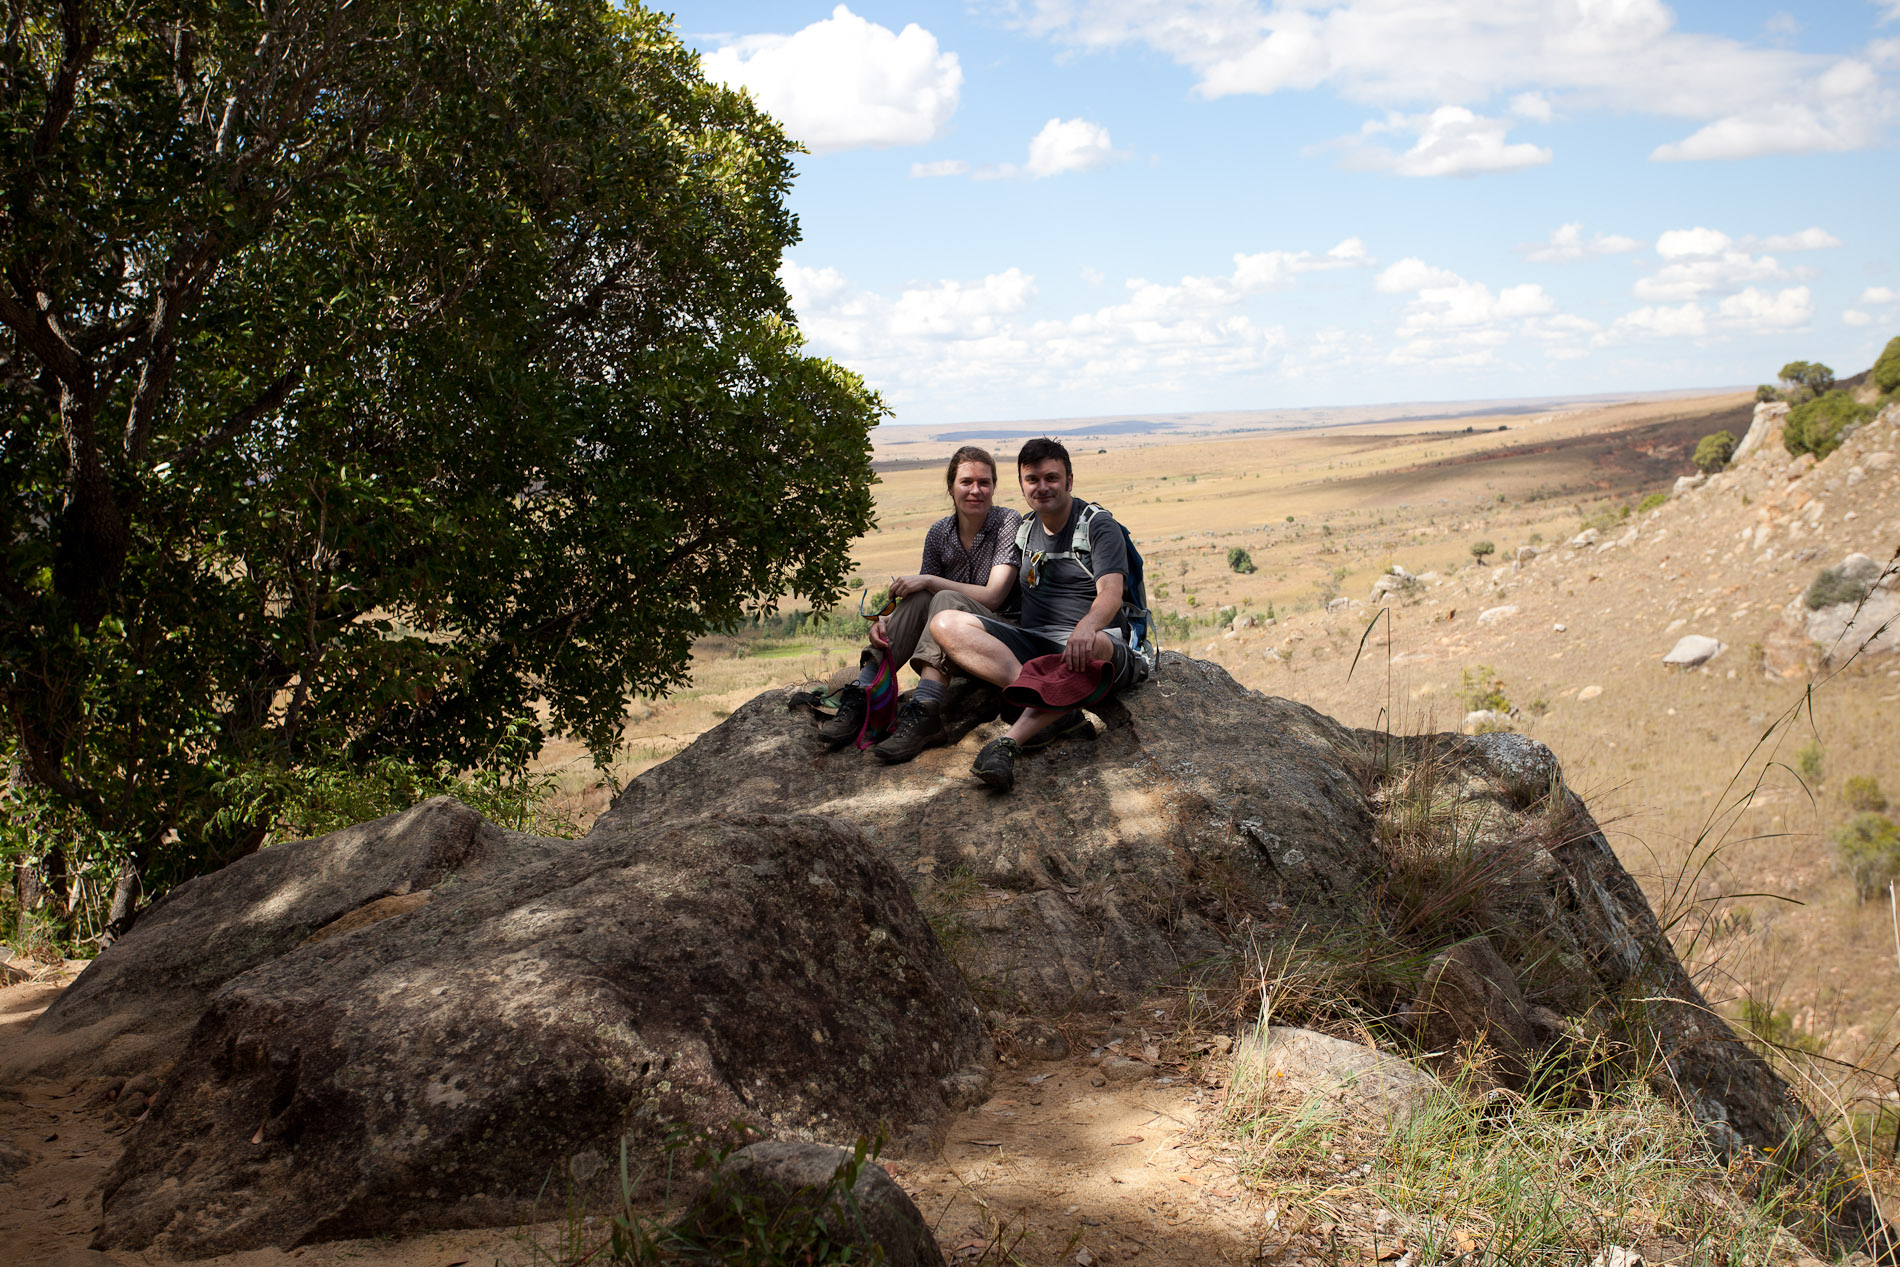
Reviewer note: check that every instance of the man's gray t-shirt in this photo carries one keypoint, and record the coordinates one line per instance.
(1064, 589)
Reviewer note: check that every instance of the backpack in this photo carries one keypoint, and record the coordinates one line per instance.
(1134, 610)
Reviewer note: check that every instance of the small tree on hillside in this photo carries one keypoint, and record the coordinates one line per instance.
(1713, 452)
(1886, 371)
(1806, 378)
(1481, 550)
(1817, 426)
(1240, 561)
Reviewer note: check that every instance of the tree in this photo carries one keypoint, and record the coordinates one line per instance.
(380, 380)
(1712, 452)
(1480, 549)
(1239, 560)
(1806, 378)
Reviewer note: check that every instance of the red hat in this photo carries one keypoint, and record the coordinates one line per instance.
(1046, 682)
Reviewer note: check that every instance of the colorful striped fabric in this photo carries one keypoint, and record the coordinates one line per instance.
(880, 703)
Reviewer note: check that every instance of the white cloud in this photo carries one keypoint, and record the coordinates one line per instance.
(1413, 274)
(962, 310)
(1679, 244)
(1757, 310)
(1879, 295)
(1687, 320)
(1070, 145)
(1621, 55)
(1815, 239)
(940, 167)
(1701, 260)
(1464, 305)
(1567, 243)
(1854, 317)
(844, 83)
(1452, 141)
(1532, 105)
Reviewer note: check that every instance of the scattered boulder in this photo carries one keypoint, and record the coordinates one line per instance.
(1362, 1082)
(773, 1177)
(1692, 650)
(1243, 621)
(1585, 539)
(1468, 1001)
(1484, 721)
(1688, 484)
(1589, 693)
(1492, 615)
(431, 1069)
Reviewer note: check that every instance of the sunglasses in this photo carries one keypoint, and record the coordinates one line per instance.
(890, 605)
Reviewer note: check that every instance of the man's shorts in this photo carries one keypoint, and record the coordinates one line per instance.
(1027, 644)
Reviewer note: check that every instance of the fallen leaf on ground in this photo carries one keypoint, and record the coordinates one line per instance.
(1120, 1143)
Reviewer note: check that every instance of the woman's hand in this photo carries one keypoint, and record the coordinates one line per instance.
(881, 633)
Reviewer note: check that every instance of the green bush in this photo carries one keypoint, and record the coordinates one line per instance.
(1480, 549)
(1766, 393)
(1816, 426)
(1886, 371)
(1862, 792)
(1240, 561)
(1810, 760)
(1654, 500)
(1812, 376)
(1831, 586)
(1712, 452)
(1869, 849)
(1479, 687)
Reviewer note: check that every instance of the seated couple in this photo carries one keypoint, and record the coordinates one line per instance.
(997, 593)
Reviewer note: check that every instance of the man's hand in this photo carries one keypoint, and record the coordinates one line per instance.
(881, 633)
(1079, 652)
(905, 586)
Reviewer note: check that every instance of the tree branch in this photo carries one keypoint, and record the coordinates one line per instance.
(274, 396)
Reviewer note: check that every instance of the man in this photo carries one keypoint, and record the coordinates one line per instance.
(968, 565)
(1073, 595)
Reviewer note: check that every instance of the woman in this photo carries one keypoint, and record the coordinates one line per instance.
(969, 564)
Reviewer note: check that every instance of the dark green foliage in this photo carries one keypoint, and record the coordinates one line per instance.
(1869, 850)
(1809, 377)
(1766, 393)
(1712, 452)
(375, 412)
(1650, 503)
(1481, 549)
(1831, 586)
(1816, 425)
(1239, 560)
(1886, 371)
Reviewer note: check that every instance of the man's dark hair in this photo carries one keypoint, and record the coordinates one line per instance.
(968, 453)
(1041, 449)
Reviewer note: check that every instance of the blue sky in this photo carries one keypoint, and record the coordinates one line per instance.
(1019, 209)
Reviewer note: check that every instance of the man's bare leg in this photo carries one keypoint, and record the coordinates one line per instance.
(975, 649)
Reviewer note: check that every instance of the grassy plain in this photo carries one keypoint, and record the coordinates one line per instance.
(1762, 907)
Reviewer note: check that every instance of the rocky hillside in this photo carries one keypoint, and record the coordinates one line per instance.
(415, 1022)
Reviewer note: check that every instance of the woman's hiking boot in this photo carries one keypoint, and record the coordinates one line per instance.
(919, 725)
(848, 722)
(996, 764)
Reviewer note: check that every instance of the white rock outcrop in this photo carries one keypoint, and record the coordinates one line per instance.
(1692, 650)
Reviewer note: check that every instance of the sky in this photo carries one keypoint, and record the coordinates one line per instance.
(1026, 209)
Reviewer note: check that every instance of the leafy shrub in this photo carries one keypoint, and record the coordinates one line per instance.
(1652, 501)
(1712, 452)
(1816, 427)
(1831, 586)
(1886, 371)
(1240, 561)
(1862, 792)
(1766, 393)
(1810, 760)
(1480, 549)
(1869, 850)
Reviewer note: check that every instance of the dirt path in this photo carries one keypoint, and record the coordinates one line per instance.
(1062, 1166)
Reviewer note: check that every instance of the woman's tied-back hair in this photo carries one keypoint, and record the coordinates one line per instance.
(968, 453)
(1041, 449)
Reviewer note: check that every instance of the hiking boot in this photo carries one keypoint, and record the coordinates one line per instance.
(848, 723)
(1073, 723)
(919, 725)
(996, 764)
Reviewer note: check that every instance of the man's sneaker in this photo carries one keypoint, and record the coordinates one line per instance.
(848, 723)
(1073, 723)
(996, 764)
(919, 725)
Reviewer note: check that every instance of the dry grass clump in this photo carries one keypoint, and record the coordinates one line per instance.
(1502, 1179)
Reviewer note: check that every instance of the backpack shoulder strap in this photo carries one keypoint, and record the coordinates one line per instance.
(1080, 543)
(1022, 531)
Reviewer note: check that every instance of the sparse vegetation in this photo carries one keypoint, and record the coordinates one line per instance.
(1886, 371)
(1712, 452)
(1480, 688)
(1805, 380)
(1651, 502)
(1869, 850)
(1831, 586)
(1810, 759)
(1862, 792)
(1238, 560)
(1483, 550)
(1766, 392)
